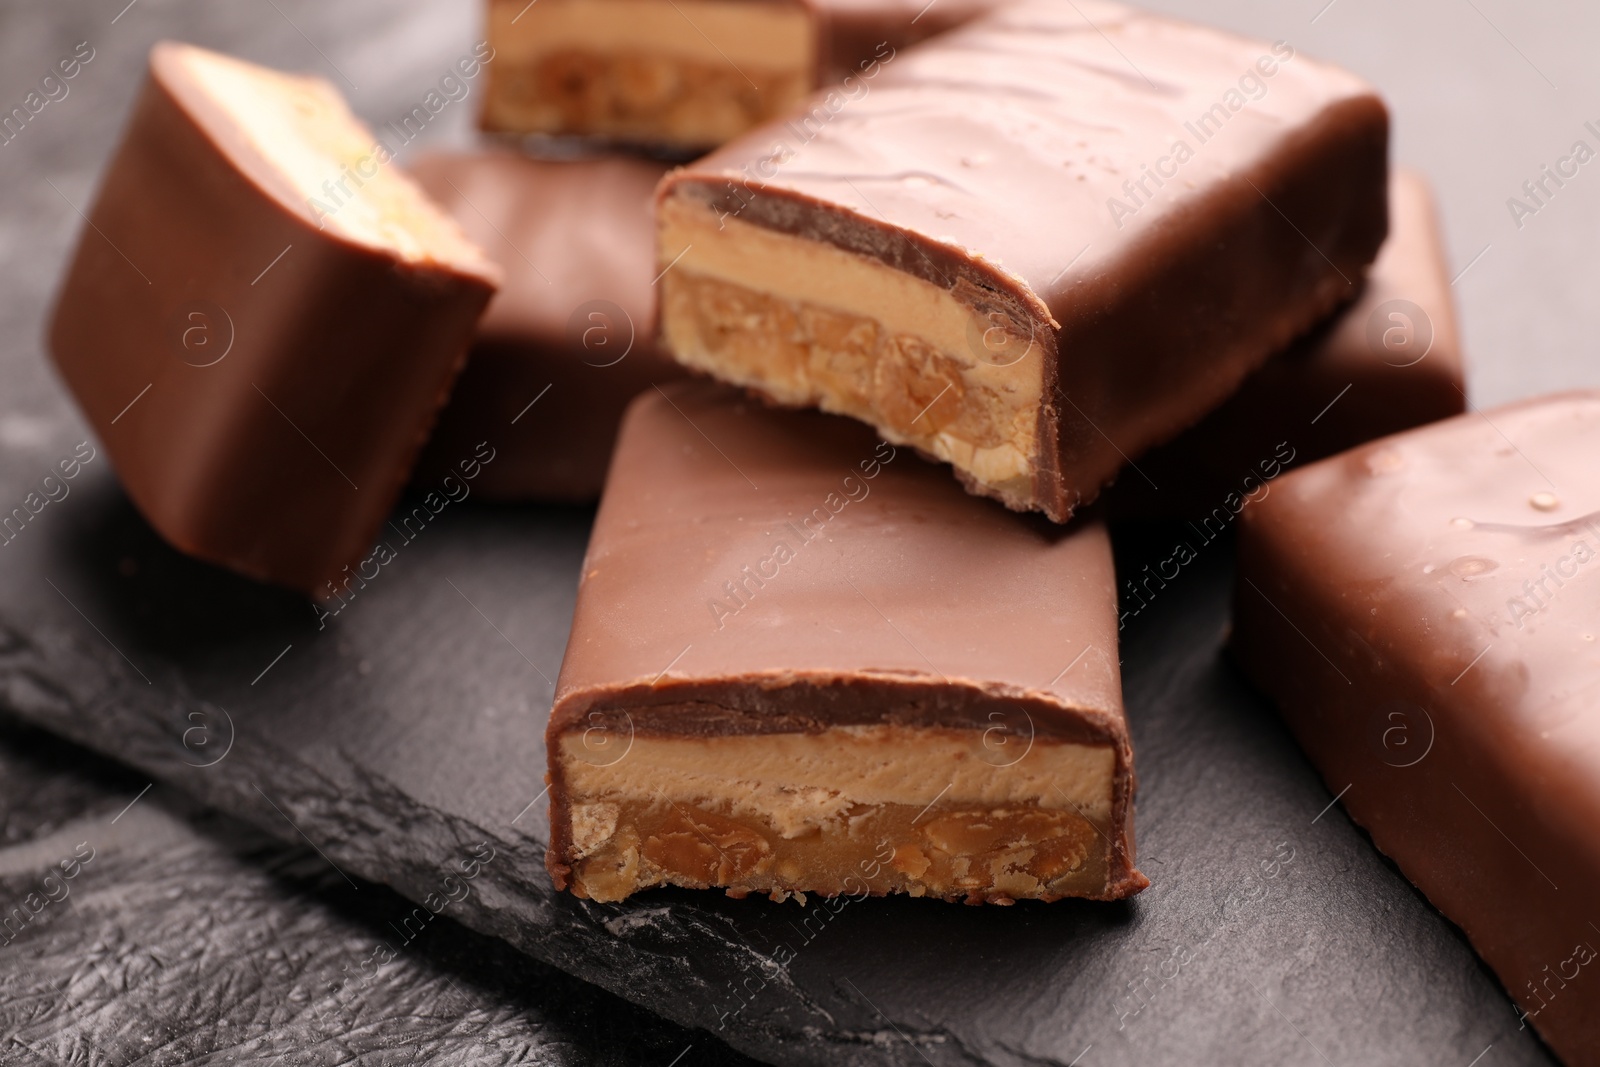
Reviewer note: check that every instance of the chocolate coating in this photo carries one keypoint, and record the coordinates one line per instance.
(1011, 184)
(853, 34)
(1389, 361)
(575, 315)
(280, 456)
(1425, 612)
(903, 601)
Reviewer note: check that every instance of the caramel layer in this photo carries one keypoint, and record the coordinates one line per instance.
(982, 856)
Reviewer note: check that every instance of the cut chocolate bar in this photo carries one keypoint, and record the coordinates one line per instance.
(1388, 362)
(689, 74)
(1025, 254)
(570, 337)
(262, 318)
(1425, 612)
(805, 662)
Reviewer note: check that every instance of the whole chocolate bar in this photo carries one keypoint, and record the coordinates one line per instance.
(689, 74)
(570, 337)
(262, 318)
(1424, 612)
(803, 661)
(1388, 362)
(1024, 254)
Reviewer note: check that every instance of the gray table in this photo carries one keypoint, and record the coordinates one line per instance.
(407, 733)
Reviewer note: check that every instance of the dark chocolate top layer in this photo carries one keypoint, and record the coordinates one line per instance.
(1014, 147)
(740, 549)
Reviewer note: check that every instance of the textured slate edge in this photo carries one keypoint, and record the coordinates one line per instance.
(682, 954)
(83, 691)
(190, 928)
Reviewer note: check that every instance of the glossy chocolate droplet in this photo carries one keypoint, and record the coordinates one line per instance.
(1471, 566)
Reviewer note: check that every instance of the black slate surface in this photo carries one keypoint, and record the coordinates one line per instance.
(406, 730)
(188, 937)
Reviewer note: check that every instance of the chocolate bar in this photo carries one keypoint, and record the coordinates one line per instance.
(570, 337)
(1425, 612)
(803, 661)
(262, 318)
(1388, 362)
(1024, 254)
(689, 74)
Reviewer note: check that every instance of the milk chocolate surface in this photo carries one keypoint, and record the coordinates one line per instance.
(802, 660)
(262, 318)
(689, 74)
(1025, 254)
(572, 330)
(1388, 362)
(1425, 612)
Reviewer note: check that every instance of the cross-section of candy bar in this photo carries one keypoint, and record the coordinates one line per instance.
(1040, 245)
(804, 661)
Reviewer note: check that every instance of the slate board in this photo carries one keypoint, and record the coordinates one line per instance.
(188, 937)
(408, 731)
